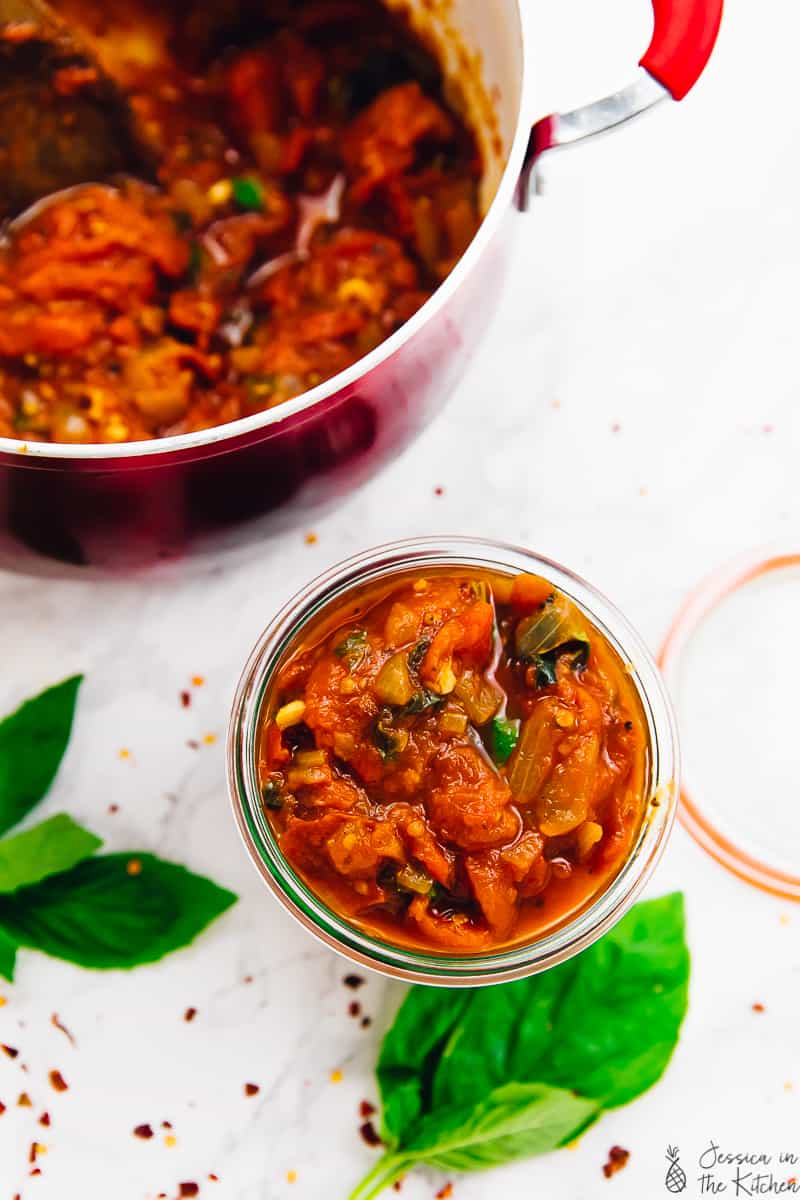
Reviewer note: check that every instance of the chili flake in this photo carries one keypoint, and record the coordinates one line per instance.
(44, 1119)
(24, 1100)
(143, 1131)
(190, 1014)
(370, 1134)
(59, 1025)
(251, 1089)
(2, 1108)
(170, 1141)
(9, 1050)
(366, 1109)
(188, 1189)
(617, 1159)
(134, 866)
(186, 699)
(444, 1193)
(336, 1076)
(354, 1008)
(198, 680)
(758, 1008)
(353, 981)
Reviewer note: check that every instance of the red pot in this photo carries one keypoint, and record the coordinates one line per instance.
(136, 502)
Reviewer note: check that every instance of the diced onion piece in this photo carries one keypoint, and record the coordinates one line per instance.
(290, 714)
(563, 802)
(554, 625)
(532, 759)
(453, 722)
(479, 697)
(412, 879)
(344, 744)
(298, 777)
(310, 758)
(393, 683)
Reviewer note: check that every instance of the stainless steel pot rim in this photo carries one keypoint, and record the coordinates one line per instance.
(498, 208)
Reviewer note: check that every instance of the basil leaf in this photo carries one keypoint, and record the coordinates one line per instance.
(515, 1121)
(577, 650)
(117, 910)
(32, 743)
(504, 737)
(604, 1023)
(518, 1120)
(53, 846)
(8, 955)
(409, 1053)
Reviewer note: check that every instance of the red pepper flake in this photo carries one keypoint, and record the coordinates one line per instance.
(354, 981)
(370, 1134)
(186, 699)
(58, 1081)
(2, 1108)
(36, 1149)
(365, 1109)
(444, 1193)
(134, 866)
(759, 1008)
(438, 491)
(617, 1159)
(166, 1124)
(366, 1022)
(190, 1014)
(35, 1171)
(354, 1008)
(44, 1119)
(192, 744)
(113, 808)
(188, 1189)
(143, 1131)
(247, 979)
(311, 539)
(60, 1026)
(24, 1100)
(214, 1178)
(251, 1089)
(397, 1185)
(9, 1050)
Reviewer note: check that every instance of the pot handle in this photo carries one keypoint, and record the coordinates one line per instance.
(684, 35)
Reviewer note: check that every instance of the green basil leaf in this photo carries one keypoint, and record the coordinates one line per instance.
(517, 1120)
(605, 1023)
(8, 955)
(410, 1052)
(504, 737)
(49, 848)
(32, 743)
(117, 910)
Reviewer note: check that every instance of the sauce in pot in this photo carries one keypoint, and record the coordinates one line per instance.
(311, 188)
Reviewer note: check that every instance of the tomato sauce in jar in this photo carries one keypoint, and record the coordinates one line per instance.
(456, 762)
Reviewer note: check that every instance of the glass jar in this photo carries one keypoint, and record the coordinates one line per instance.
(577, 931)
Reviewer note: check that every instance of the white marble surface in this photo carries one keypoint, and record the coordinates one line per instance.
(655, 290)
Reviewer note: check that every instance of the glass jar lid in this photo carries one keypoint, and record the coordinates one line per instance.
(732, 664)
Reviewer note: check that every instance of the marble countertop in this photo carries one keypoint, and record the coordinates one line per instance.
(647, 334)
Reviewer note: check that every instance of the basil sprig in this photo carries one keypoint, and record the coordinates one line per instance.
(470, 1079)
(56, 894)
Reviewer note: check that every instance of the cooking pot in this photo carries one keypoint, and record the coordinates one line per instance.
(133, 503)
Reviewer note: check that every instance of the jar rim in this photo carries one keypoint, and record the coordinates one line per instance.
(578, 930)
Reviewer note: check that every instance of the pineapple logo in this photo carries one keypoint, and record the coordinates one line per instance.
(675, 1181)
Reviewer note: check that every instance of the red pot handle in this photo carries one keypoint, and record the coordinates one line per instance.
(684, 35)
(683, 38)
